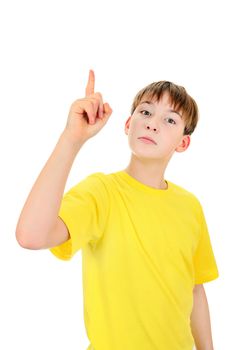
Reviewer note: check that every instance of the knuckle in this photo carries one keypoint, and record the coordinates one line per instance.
(95, 104)
(91, 104)
(75, 102)
(98, 94)
(95, 100)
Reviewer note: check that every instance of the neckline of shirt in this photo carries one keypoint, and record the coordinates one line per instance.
(141, 186)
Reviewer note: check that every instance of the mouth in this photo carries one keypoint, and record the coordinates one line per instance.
(147, 139)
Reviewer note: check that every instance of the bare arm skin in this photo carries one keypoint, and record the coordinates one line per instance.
(40, 212)
(39, 225)
(200, 320)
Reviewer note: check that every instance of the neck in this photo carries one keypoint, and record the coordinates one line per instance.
(150, 175)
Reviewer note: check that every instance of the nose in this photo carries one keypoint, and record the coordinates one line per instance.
(148, 127)
(152, 125)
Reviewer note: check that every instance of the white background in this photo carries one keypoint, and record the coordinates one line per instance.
(47, 49)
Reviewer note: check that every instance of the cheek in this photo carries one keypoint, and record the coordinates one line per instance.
(134, 126)
(137, 123)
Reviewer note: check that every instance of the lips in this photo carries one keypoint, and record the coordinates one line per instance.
(147, 138)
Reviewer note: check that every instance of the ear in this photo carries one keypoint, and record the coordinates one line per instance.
(184, 144)
(127, 125)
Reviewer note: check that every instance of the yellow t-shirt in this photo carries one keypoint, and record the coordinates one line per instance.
(143, 249)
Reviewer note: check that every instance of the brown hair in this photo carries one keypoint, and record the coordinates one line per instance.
(181, 101)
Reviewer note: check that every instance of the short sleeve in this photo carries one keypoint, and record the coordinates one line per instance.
(84, 210)
(205, 266)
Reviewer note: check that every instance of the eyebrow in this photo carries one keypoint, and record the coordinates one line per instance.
(169, 110)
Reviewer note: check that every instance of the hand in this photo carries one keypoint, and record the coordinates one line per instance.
(88, 115)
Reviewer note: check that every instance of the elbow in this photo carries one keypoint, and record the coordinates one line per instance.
(26, 242)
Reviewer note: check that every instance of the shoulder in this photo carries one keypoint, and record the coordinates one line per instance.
(180, 190)
(186, 195)
(107, 179)
(90, 183)
(97, 178)
(97, 181)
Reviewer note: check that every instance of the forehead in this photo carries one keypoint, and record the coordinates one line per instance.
(163, 98)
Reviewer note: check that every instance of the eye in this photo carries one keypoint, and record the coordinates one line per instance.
(144, 110)
(173, 121)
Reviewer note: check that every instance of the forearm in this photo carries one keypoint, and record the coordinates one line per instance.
(200, 320)
(40, 210)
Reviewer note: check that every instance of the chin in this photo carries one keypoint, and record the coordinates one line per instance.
(146, 155)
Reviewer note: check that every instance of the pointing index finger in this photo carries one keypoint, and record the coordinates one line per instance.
(90, 84)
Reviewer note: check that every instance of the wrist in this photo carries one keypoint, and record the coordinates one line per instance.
(65, 138)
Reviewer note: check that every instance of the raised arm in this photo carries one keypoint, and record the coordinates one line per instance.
(39, 216)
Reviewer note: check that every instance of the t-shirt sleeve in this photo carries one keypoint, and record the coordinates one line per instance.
(84, 210)
(205, 266)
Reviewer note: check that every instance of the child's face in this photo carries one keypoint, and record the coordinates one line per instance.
(165, 127)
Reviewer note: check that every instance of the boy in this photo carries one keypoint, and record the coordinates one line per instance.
(145, 242)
